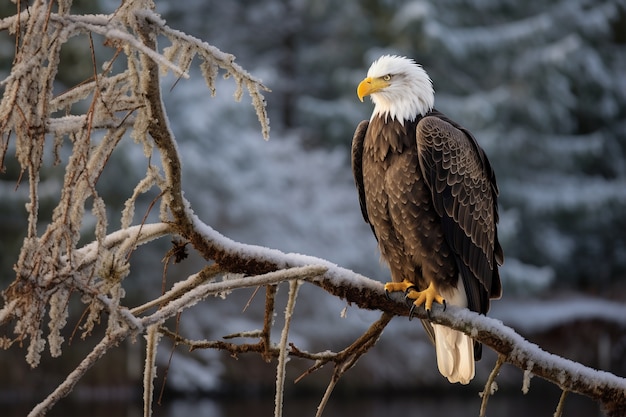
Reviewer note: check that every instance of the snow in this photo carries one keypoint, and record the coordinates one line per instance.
(188, 373)
(283, 259)
(527, 377)
(522, 278)
(532, 316)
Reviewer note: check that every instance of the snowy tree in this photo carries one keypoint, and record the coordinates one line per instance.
(79, 258)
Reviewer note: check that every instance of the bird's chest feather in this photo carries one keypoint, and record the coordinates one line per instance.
(399, 203)
(394, 189)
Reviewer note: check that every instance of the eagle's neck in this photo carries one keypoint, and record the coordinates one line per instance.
(409, 99)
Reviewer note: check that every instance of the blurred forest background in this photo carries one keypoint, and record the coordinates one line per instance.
(542, 85)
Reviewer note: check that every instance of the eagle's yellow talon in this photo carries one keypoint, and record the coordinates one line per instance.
(426, 297)
(417, 298)
(399, 286)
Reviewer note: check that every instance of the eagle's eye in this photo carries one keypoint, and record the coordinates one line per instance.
(387, 77)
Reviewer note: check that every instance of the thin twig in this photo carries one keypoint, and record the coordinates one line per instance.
(351, 355)
(109, 340)
(268, 320)
(254, 293)
(149, 372)
(234, 349)
(282, 348)
(489, 385)
(207, 273)
(329, 390)
(561, 405)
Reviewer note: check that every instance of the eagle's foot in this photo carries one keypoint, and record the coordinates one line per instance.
(405, 286)
(426, 298)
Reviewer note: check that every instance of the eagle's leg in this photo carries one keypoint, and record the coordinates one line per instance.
(426, 297)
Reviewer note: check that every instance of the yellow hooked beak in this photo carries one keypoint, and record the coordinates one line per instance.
(370, 85)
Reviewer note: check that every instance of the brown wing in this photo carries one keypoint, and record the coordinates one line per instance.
(464, 194)
(357, 167)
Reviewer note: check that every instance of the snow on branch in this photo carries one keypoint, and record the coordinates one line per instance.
(604, 387)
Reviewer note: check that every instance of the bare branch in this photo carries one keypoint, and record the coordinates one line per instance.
(109, 341)
(149, 373)
(561, 405)
(490, 385)
(268, 320)
(282, 348)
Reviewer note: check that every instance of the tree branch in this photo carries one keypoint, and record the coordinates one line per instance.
(72, 379)
(604, 387)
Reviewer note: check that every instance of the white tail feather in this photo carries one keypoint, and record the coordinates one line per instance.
(455, 350)
(455, 354)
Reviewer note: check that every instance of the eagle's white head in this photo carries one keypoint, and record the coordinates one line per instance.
(399, 87)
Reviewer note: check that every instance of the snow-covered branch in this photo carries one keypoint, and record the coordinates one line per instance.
(604, 387)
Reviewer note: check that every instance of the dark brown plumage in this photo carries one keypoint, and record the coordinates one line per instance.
(430, 196)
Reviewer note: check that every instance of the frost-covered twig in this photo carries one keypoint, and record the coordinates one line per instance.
(490, 385)
(281, 368)
(201, 291)
(149, 373)
(180, 288)
(72, 379)
(132, 236)
(186, 45)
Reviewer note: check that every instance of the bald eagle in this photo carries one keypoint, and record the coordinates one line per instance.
(430, 196)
